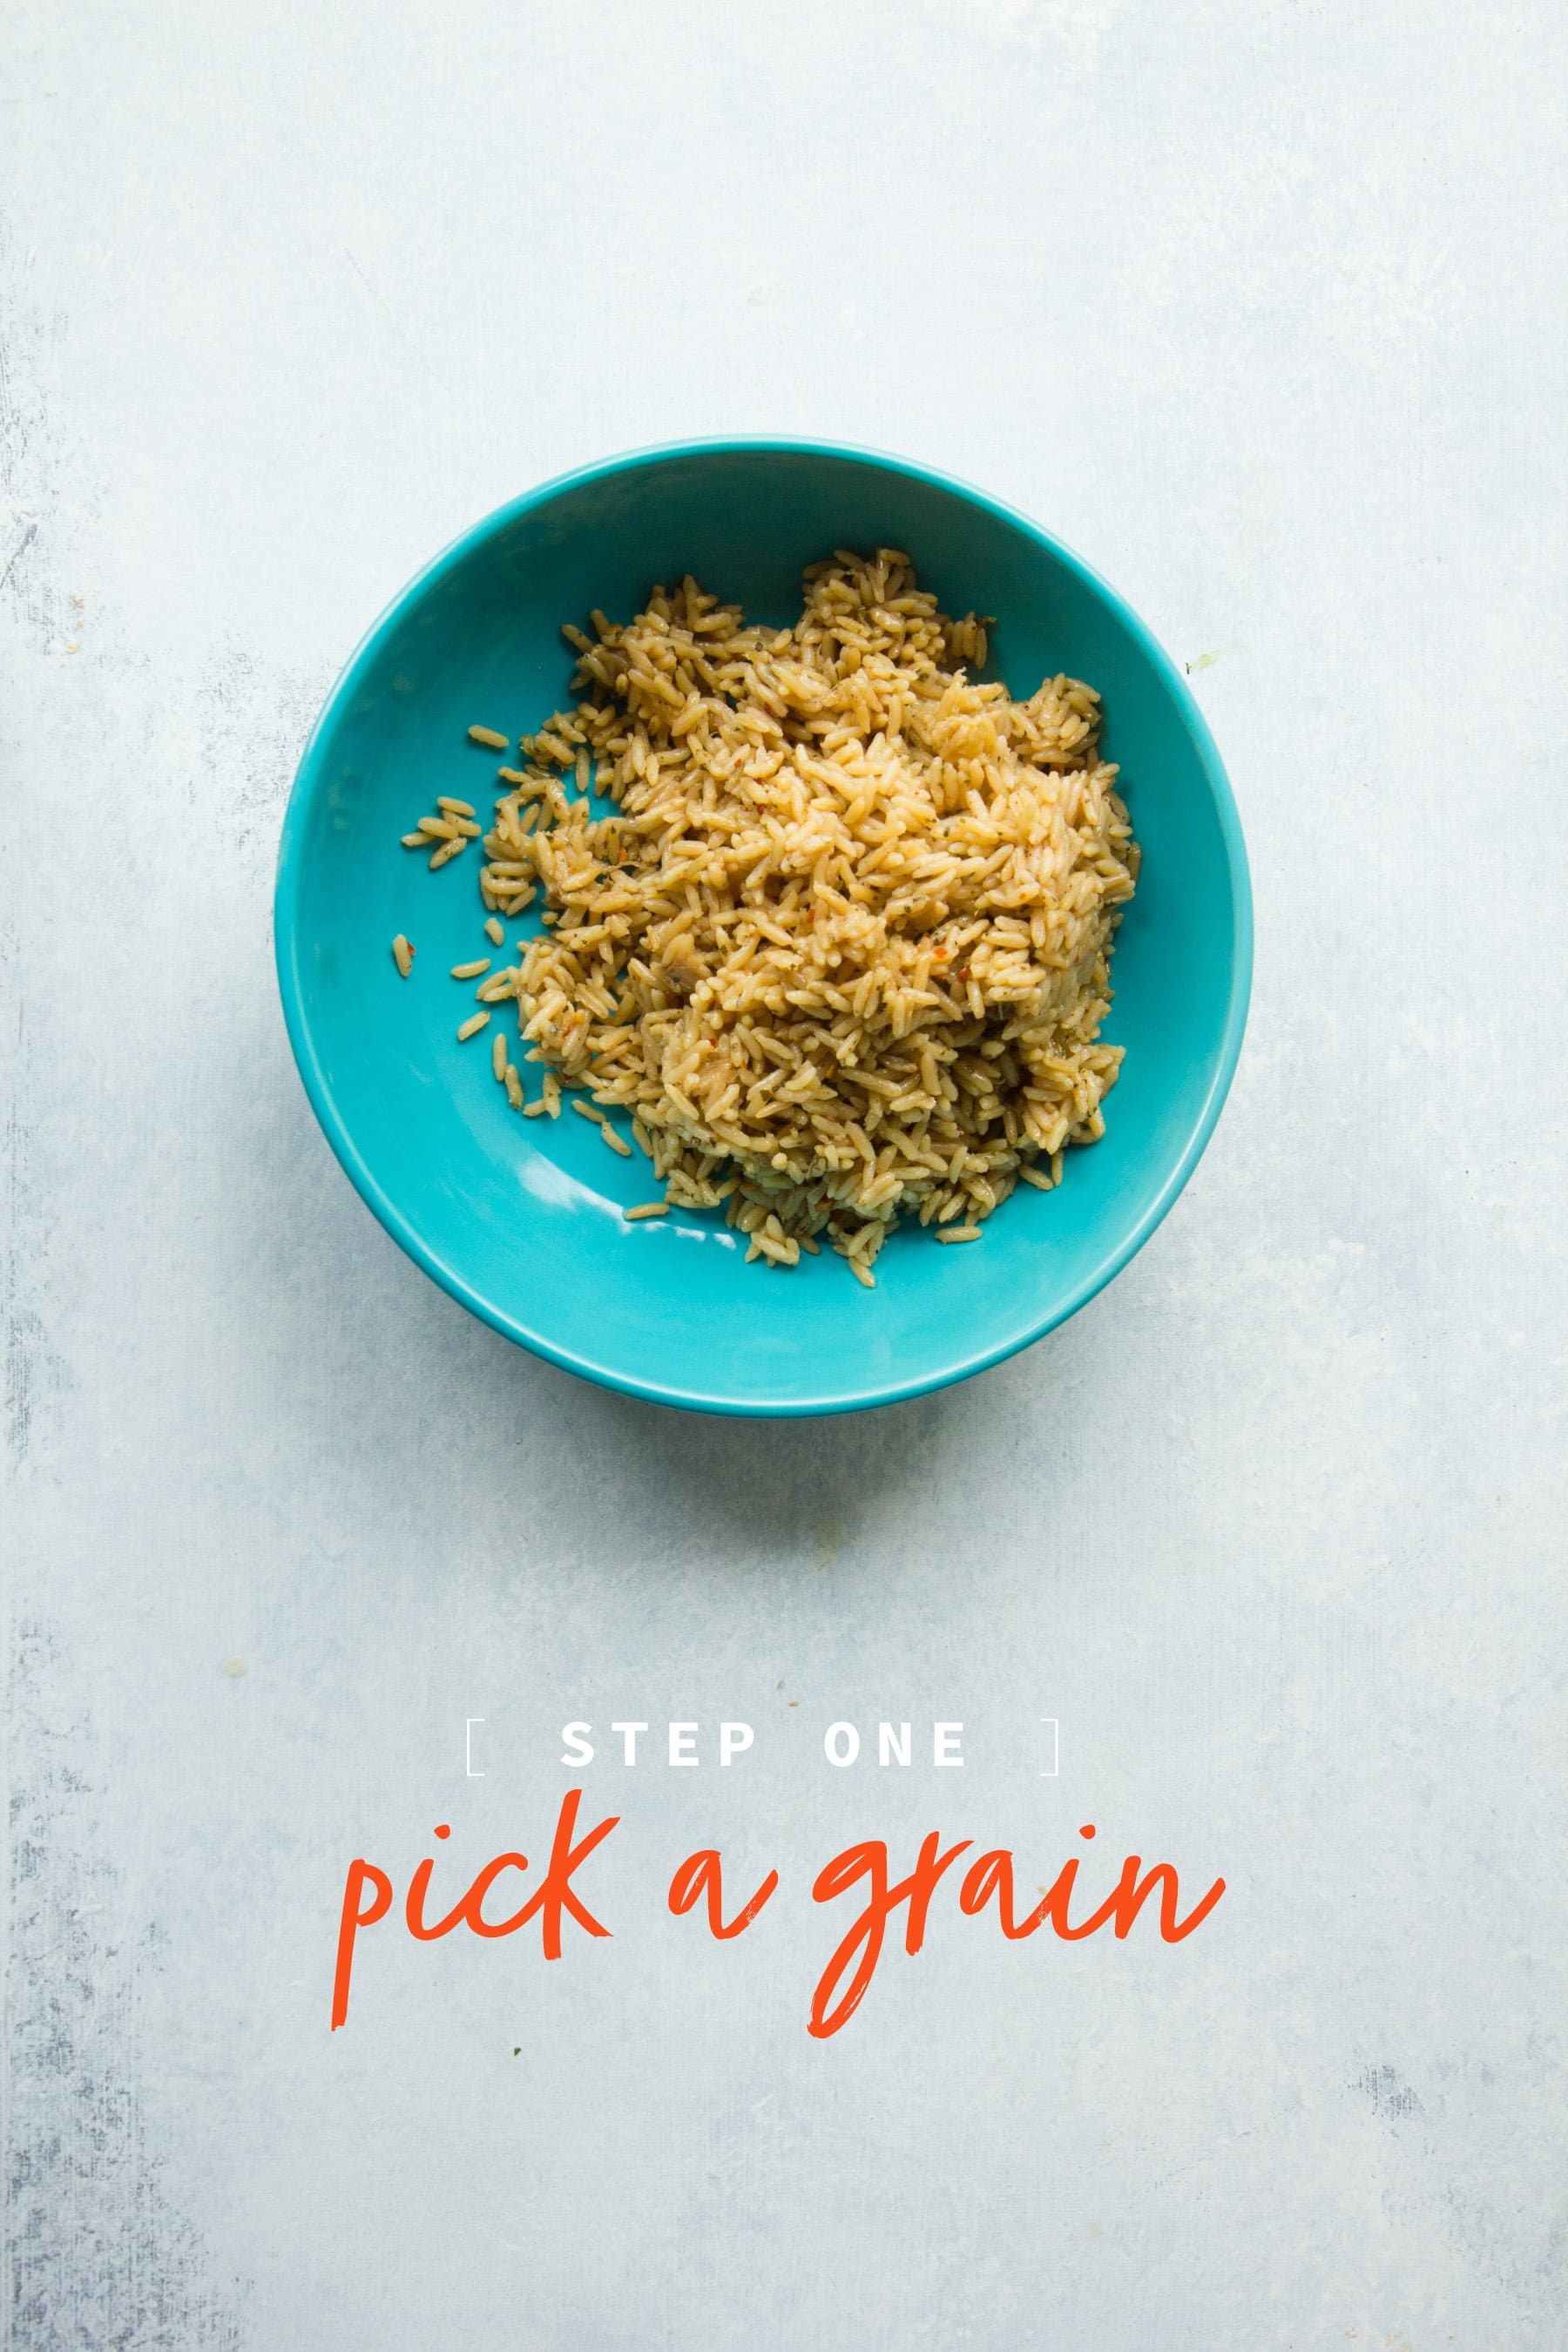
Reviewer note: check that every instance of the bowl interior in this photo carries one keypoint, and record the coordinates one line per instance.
(521, 1219)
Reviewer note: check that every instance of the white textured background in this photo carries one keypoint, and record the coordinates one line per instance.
(1259, 306)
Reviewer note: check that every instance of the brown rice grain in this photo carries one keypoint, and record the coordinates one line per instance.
(828, 915)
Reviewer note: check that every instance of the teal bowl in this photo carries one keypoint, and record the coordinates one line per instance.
(521, 1219)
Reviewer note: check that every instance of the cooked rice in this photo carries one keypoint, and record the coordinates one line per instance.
(493, 932)
(646, 1209)
(498, 1057)
(403, 954)
(490, 738)
(472, 1025)
(471, 971)
(841, 942)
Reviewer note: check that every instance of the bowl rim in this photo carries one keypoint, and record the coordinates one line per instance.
(290, 862)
